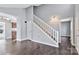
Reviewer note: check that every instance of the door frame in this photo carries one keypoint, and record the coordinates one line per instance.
(71, 27)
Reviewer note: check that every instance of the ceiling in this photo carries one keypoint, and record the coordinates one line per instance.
(15, 5)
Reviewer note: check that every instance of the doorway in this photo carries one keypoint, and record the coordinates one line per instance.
(65, 29)
(8, 28)
(2, 30)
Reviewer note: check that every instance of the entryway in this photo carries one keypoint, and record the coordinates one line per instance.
(2, 30)
(7, 27)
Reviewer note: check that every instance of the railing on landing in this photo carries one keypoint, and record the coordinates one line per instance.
(46, 28)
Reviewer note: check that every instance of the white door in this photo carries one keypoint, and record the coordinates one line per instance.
(2, 30)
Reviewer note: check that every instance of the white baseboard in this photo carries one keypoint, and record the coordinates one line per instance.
(73, 44)
(45, 43)
(77, 49)
(23, 39)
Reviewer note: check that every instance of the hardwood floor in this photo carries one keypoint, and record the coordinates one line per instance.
(28, 47)
(66, 48)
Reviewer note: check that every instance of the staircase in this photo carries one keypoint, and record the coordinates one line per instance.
(45, 32)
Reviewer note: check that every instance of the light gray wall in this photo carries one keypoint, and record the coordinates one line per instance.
(48, 10)
(20, 15)
(29, 13)
(65, 28)
(77, 27)
(62, 10)
(29, 17)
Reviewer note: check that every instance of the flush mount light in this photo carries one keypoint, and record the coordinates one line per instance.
(54, 19)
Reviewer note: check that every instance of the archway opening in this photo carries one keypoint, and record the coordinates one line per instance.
(8, 27)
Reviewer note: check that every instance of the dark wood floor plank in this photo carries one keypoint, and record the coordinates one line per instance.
(28, 47)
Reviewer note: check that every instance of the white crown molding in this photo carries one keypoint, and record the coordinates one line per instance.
(65, 20)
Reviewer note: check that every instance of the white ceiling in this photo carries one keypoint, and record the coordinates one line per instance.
(15, 5)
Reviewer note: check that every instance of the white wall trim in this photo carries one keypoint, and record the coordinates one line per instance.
(72, 43)
(77, 49)
(65, 20)
(24, 39)
(44, 43)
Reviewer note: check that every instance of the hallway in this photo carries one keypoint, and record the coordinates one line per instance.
(32, 48)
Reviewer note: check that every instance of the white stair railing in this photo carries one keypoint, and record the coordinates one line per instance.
(46, 28)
